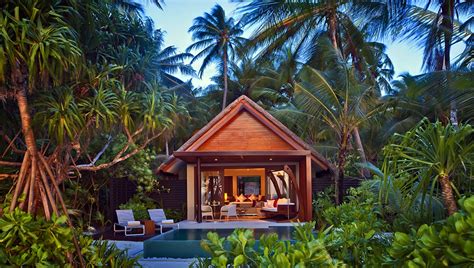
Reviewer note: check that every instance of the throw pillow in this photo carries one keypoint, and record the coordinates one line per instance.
(275, 203)
(241, 198)
(269, 204)
(253, 197)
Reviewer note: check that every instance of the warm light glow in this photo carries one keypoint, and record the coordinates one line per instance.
(225, 196)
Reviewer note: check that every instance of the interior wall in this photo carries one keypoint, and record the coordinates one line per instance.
(235, 172)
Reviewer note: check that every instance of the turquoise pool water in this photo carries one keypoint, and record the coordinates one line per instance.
(185, 243)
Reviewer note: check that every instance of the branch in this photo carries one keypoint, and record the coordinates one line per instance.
(119, 158)
(11, 144)
(8, 163)
(99, 154)
(8, 176)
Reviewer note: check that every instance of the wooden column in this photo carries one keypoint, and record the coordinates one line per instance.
(302, 183)
(309, 190)
(198, 188)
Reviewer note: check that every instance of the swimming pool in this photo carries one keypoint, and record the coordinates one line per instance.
(185, 243)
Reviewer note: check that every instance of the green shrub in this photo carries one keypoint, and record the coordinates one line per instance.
(25, 240)
(323, 200)
(29, 241)
(448, 243)
(239, 250)
(355, 235)
(139, 203)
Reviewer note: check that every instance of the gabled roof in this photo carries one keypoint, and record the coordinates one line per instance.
(240, 106)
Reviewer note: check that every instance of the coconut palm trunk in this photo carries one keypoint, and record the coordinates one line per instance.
(332, 32)
(360, 148)
(341, 162)
(447, 23)
(225, 62)
(447, 194)
(332, 28)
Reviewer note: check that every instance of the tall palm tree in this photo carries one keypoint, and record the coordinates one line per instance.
(218, 38)
(302, 23)
(436, 31)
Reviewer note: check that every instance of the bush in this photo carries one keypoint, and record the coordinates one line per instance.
(448, 243)
(239, 249)
(139, 203)
(323, 200)
(29, 241)
(355, 235)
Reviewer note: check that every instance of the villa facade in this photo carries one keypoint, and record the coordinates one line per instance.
(246, 157)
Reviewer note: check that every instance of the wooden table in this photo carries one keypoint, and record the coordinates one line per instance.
(149, 227)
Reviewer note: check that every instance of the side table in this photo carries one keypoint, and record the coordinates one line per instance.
(149, 227)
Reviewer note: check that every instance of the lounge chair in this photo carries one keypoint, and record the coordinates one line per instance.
(159, 217)
(207, 211)
(127, 222)
(229, 211)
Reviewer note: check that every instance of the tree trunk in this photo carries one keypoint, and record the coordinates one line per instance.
(167, 148)
(360, 148)
(447, 23)
(447, 194)
(224, 98)
(332, 28)
(35, 177)
(341, 161)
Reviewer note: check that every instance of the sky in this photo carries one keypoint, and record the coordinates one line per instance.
(177, 16)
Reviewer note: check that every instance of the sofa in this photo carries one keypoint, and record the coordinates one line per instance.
(284, 207)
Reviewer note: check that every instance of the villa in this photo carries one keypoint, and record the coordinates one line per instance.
(246, 158)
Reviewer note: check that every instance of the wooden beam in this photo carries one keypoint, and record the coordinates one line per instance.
(241, 153)
(275, 183)
(301, 204)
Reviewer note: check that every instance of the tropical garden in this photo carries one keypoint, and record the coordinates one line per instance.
(89, 92)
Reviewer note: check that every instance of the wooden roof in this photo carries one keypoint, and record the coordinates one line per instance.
(243, 128)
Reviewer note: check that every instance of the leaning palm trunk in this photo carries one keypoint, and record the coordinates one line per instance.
(447, 194)
(360, 148)
(36, 184)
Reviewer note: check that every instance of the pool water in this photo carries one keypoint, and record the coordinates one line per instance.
(284, 233)
(185, 243)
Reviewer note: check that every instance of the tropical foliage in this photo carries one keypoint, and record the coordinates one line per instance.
(89, 92)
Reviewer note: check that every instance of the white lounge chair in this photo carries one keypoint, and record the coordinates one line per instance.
(159, 217)
(229, 211)
(127, 222)
(207, 211)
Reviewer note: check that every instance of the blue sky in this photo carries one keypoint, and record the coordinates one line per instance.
(177, 16)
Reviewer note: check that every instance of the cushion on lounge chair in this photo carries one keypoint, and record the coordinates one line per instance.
(133, 223)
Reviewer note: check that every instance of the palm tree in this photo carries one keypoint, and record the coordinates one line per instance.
(436, 32)
(301, 24)
(30, 61)
(341, 102)
(36, 48)
(431, 154)
(218, 38)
